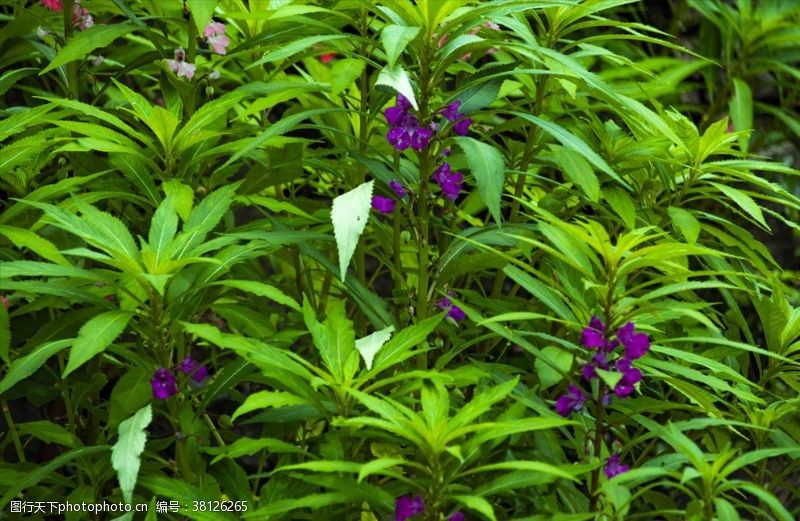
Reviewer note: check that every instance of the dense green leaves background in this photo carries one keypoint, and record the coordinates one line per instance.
(626, 159)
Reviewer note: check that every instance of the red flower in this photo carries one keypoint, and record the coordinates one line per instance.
(327, 57)
(53, 5)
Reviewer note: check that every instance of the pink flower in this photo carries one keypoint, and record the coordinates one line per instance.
(6, 302)
(180, 66)
(53, 5)
(327, 57)
(81, 17)
(216, 38)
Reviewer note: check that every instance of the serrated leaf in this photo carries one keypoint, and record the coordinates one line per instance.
(395, 38)
(622, 204)
(743, 201)
(486, 164)
(349, 214)
(182, 197)
(30, 363)
(344, 73)
(399, 347)
(126, 453)
(334, 339)
(202, 11)
(163, 226)
(95, 336)
(84, 42)
(552, 365)
(266, 399)
(577, 170)
(477, 504)
(262, 290)
(686, 223)
(397, 78)
(371, 344)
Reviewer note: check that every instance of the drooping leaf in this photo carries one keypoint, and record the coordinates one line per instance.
(30, 363)
(126, 453)
(395, 38)
(349, 214)
(397, 79)
(370, 344)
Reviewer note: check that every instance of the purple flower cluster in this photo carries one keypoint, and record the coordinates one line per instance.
(613, 467)
(164, 383)
(636, 345)
(453, 311)
(407, 507)
(405, 130)
(448, 181)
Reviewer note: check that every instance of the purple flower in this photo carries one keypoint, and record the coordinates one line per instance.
(572, 401)
(462, 127)
(163, 384)
(613, 467)
(383, 204)
(458, 516)
(448, 181)
(192, 367)
(406, 507)
(397, 188)
(394, 115)
(593, 337)
(454, 312)
(636, 344)
(450, 112)
(408, 133)
(630, 377)
(598, 360)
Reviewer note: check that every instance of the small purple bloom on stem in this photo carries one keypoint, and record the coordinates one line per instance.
(397, 188)
(192, 367)
(458, 516)
(408, 133)
(630, 377)
(450, 112)
(406, 507)
(383, 204)
(592, 337)
(462, 127)
(636, 344)
(163, 384)
(572, 401)
(448, 181)
(613, 467)
(454, 312)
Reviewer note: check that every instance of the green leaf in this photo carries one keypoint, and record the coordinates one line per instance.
(344, 73)
(203, 219)
(181, 195)
(130, 393)
(24, 238)
(247, 446)
(741, 109)
(95, 336)
(126, 453)
(262, 290)
(29, 364)
(552, 365)
(371, 344)
(574, 143)
(622, 204)
(486, 165)
(202, 11)
(46, 470)
(162, 230)
(577, 170)
(397, 78)
(744, 201)
(84, 42)
(399, 347)
(335, 340)
(686, 223)
(266, 399)
(611, 378)
(49, 432)
(477, 504)
(349, 214)
(395, 38)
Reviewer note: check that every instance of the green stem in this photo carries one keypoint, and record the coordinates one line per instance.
(12, 430)
(191, 53)
(73, 88)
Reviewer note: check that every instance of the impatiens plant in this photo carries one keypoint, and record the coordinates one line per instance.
(420, 260)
